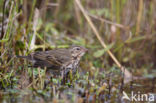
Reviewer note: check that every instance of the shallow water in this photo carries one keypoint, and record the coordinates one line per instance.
(74, 94)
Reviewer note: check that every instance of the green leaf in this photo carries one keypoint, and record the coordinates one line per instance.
(100, 52)
(135, 39)
(4, 40)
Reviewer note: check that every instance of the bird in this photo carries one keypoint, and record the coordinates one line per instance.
(60, 61)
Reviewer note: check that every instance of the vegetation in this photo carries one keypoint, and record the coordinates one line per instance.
(120, 36)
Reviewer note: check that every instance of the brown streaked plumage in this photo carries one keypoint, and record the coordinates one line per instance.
(60, 60)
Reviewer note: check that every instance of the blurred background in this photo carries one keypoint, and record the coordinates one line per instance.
(127, 27)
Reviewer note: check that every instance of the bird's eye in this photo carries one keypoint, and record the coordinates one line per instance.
(77, 48)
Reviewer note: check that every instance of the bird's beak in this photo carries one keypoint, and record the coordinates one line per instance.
(85, 49)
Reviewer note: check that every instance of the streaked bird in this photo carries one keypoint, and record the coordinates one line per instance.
(58, 60)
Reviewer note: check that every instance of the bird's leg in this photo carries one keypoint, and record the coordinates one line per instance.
(48, 79)
(63, 78)
(64, 75)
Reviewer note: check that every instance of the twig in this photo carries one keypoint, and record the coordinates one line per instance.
(2, 32)
(52, 4)
(35, 22)
(139, 17)
(107, 21)
(125, 71)
(11, 8)
(32, 83)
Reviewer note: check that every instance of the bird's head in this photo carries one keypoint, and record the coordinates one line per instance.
(77, 51)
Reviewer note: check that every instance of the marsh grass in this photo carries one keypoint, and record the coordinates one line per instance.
(126, 27)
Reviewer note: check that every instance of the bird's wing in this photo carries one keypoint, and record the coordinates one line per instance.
(60, 56)
(53, 57)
